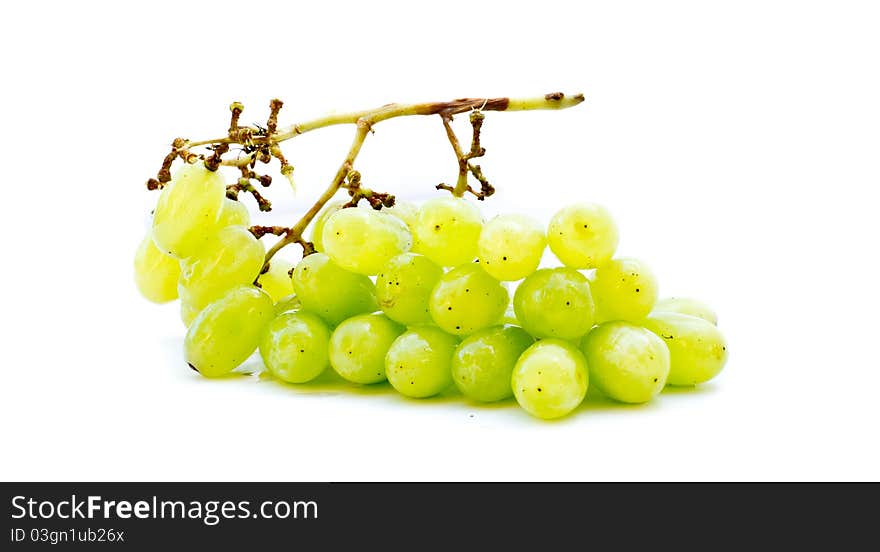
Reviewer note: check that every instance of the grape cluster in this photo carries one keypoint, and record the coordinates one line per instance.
(420, 297)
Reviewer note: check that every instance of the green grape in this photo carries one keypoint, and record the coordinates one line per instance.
(555, 302)
(404, 286)
(406, 211)
(627, 363)
(686, 305)
(331, 292)
(289, 303)
(624, 289)
(233, 213)
(483, 363)
(418, 363)
(358, 347)
(447, 230)
(510, 246)
(188, 312)
(227, 331)
(294, 347)
(550, 378)
(232, 258)
(320, 220)
(188, 210)
(697, 350)
(155, 273)
(363, 240)
(582, 236)
(467, 299)
(276, 281)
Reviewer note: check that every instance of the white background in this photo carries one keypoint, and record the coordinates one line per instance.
(735, 142)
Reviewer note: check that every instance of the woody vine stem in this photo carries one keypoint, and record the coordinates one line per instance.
(260, 144)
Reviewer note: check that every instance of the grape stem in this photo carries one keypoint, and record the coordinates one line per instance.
(294, 235)
(262, 144)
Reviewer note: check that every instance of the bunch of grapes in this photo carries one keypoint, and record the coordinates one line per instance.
(426, 297)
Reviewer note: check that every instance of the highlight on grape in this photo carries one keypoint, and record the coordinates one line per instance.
(426, 297)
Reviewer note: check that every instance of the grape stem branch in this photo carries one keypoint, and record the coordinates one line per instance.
(262, 144)
(294, 235)
(465, 167)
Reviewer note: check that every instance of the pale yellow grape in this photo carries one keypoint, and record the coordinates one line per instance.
(364, 240)
(188, 210)
(466, 299)
(583, 235)
(318, 225)
(155, 273)
(232, 258)
(697, 349)
(358, 347)
(510, 246)
(403, 288)
(188, 312)
(686, 305)
(550, 378)
(406, 211)
(276, 281)
(483, 363)
(289, 303)
(447, 230)
(418, 363)
(624, 289)
(555, 302)
(331, 292)
(227, 331)
(626, 362)
(294, 347)
(233, 213)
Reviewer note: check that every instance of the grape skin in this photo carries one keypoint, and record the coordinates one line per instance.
(555, 302)
(582, 236)
(320, 220)
(155, 273)
(447, 230)
(550, 379)
(510, 246)
(188, 312)
(358, 347)
(697, 349)
(289, 303)
(232, 258)
(624, 289)
(466, 299)
(277, 281)
(483, 363)
(233, 213)
(686, 305)
(188, 210)
(627, 363)
(406, 211)
(331, 292)
(226, 332)
(295, 347)
(418, 363)
(403, 288)
(364, 240)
